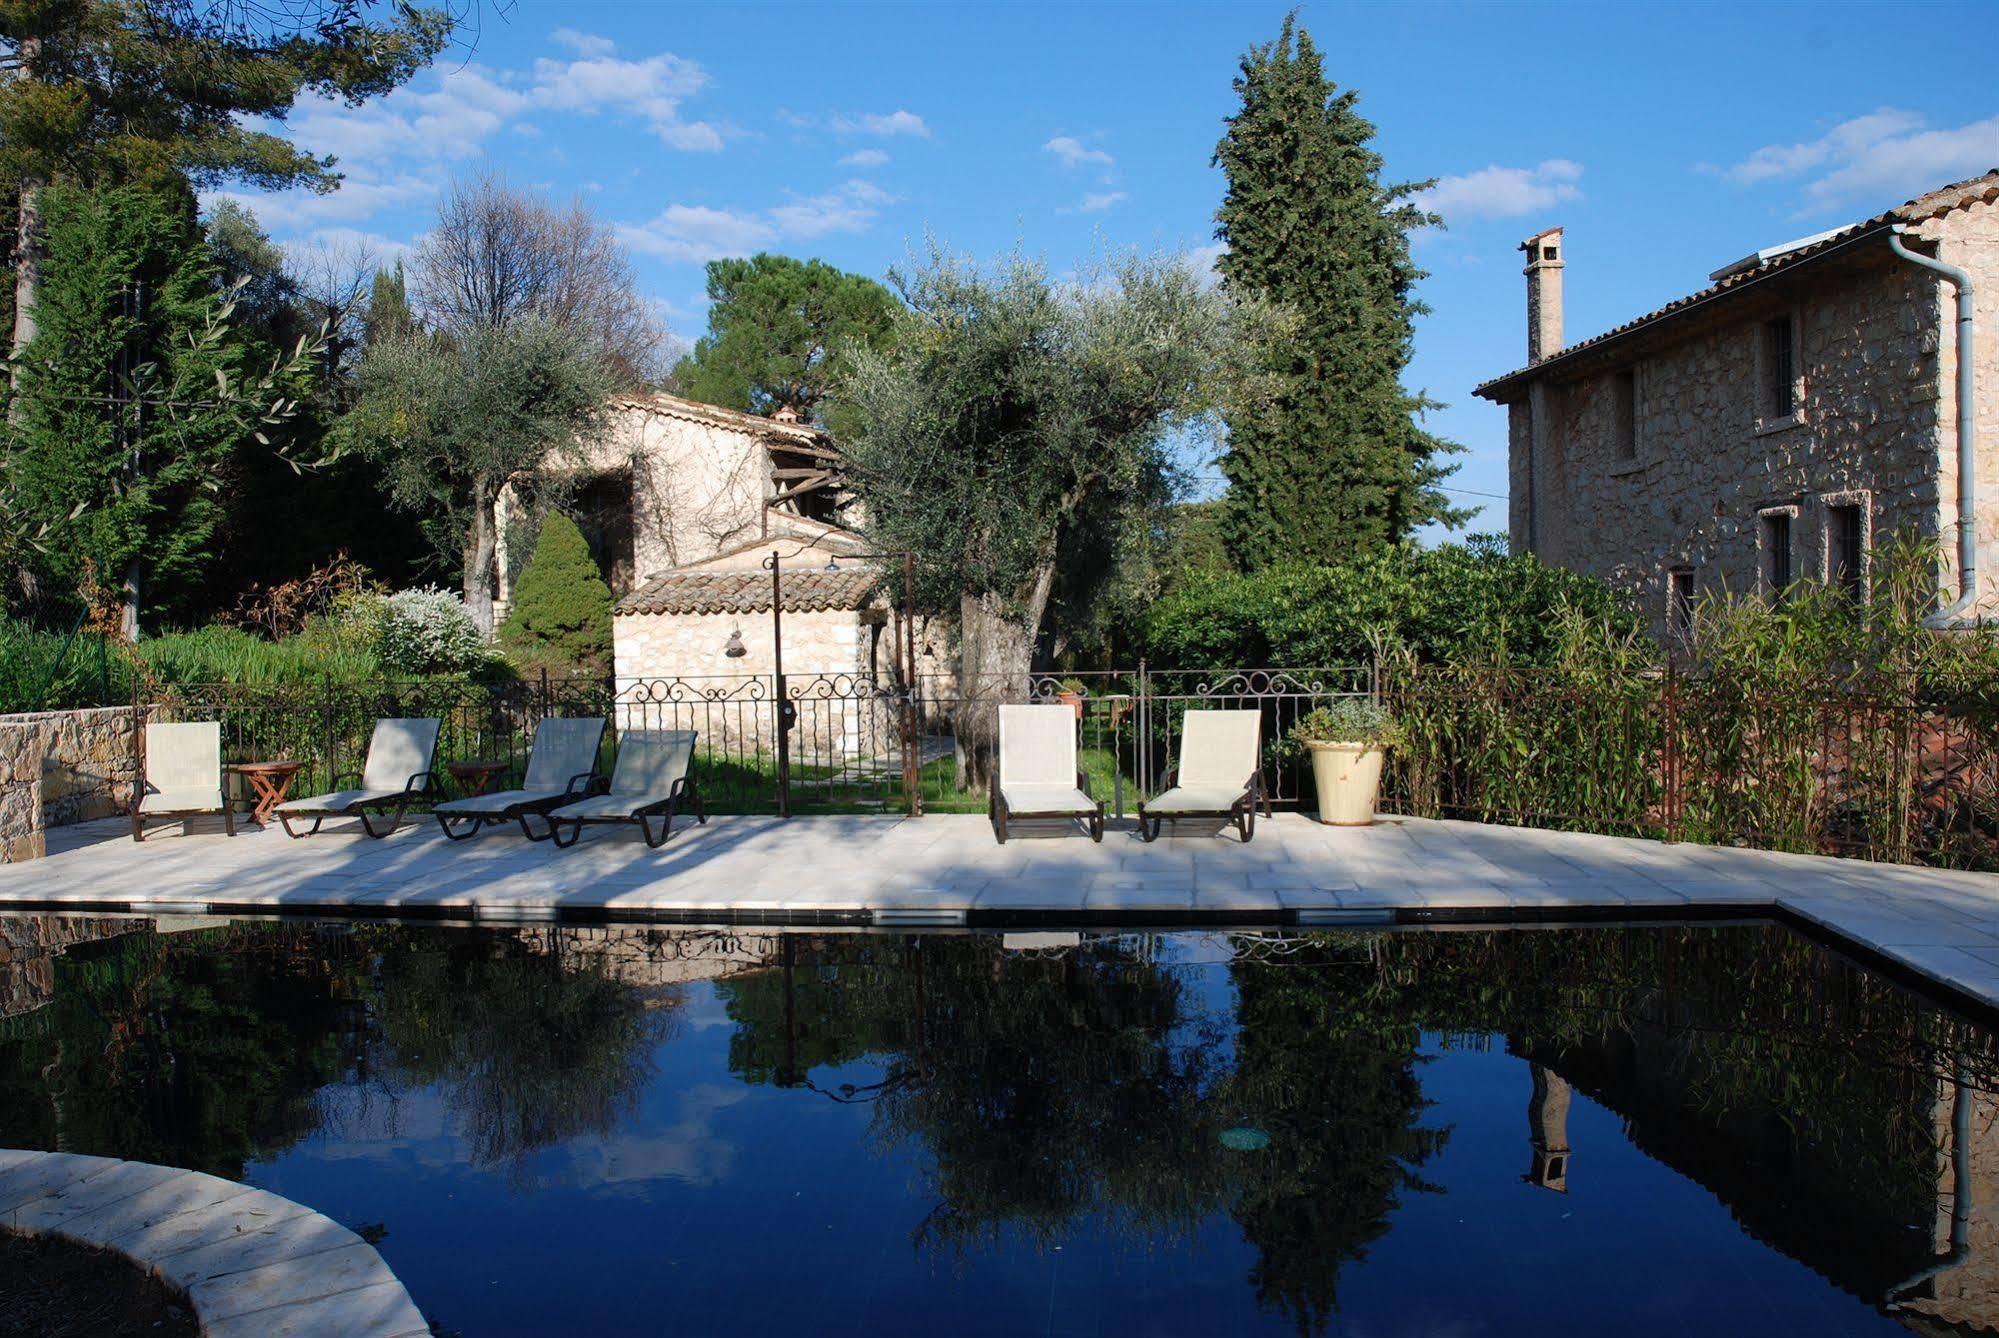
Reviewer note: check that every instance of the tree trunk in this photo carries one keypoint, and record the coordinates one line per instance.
(479, 551)
(27, 247)
(128, 602)
(995, 657)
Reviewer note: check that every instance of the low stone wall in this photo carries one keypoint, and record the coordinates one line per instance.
(59, 767)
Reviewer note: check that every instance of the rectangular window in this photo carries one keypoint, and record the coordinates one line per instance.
(1680, 601)
(1780, 376)
(1624, 414)
(1777, 553)
(1846, 551)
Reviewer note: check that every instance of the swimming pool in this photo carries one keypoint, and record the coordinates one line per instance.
(628, 1130)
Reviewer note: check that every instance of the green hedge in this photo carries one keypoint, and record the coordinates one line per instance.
(1451, 604)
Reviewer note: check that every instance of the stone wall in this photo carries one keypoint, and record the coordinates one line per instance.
(1876, 362)
(59, 767)
(674, 673)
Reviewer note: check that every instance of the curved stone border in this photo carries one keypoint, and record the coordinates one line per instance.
(251, 1262)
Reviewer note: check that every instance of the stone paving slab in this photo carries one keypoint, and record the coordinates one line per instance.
(947, 869)
(251, 1262)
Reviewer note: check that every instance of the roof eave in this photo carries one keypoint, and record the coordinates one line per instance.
(1513, 386)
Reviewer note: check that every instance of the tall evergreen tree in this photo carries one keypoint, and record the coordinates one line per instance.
(131, 398)
(1335, 460)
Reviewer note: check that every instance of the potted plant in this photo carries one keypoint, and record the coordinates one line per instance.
(1348, 741)
(1070, 693)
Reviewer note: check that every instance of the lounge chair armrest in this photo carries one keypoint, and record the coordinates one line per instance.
(340, 776)
(418, 783)
(581, 783)
(1172, 775)
(1083, 784)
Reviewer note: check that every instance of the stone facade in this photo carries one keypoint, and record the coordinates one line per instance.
(59, 767)
(1654, 450)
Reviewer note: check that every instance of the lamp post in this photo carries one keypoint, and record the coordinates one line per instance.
(786, 713)
(912, 789)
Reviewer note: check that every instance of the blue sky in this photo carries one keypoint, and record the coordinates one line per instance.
(1668, 139)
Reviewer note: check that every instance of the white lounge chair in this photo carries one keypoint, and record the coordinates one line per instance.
(1218, 775)
(562, 767)
(396, 773)
(181, 775)
(649, 780)
(1037, 775)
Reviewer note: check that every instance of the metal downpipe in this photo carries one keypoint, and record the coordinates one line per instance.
(1967, 435)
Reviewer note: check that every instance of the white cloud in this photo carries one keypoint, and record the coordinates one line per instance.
(654, 87)
(865, 158)
(358, 199)
(1074, 153)
(1880, 157)
(1503, 192)
(695, 234)
(1097, 202)
(583, 44)
(885, 125)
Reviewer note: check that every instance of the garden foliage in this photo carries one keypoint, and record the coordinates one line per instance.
(560, 618)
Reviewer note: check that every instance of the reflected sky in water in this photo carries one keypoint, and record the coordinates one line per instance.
(610, 1130)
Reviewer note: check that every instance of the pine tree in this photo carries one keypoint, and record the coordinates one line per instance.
(561, 614)
(1335, 461)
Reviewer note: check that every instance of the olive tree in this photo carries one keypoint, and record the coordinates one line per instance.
(1016, 430)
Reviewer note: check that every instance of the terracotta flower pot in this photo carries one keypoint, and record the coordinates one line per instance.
(1348, 776)
(1073, 700)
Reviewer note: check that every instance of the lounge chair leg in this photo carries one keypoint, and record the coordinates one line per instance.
(528, 831)
(471, 830)
(284, 821)
(228, 819)
(999, 821)
(555, 834)
(395, 821)
(1246, 821)
(665, 828)
(1147, 832)
(1097, 826)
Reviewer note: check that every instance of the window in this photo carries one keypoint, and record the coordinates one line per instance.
(1680, 601)
(1780, 374)
(1777, 553)
(1846, 550)
(1624, 414)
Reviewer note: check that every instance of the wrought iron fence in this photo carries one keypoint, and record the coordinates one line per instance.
(1851, 768)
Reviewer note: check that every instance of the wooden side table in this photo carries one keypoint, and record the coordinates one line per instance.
(270, 782)
(475, 778)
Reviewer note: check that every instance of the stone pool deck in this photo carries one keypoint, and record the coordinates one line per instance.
(254, 1265)
(946, 870)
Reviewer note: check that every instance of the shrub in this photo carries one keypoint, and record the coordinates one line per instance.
(428, 631)
(1347, 720)
(1447, 604)
(561, 614)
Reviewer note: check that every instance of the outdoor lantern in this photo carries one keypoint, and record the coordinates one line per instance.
(832, 564)
(735, 649)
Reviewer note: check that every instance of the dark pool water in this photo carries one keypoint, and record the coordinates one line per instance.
(1660, 1130)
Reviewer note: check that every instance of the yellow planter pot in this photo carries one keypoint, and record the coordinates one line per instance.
(1348, 776)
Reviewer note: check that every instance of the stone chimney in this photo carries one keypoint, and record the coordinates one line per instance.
(1544, 294)
(786, 414)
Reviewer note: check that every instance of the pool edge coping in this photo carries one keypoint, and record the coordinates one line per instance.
(259, 1290)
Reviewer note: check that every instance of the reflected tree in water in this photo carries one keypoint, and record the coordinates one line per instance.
(527, 1046)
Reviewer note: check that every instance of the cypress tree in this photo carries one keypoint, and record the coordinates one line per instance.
(1334, 462)
(561, 614)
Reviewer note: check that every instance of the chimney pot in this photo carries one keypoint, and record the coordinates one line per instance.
(1544, 294)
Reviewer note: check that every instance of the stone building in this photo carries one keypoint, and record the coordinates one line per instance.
(682, 503)
(1773, 427)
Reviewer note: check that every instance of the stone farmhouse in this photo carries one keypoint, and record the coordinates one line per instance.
(682, 503)
(1777, 425)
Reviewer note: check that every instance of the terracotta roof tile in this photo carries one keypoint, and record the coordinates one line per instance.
(749, 592)
(1958, 195)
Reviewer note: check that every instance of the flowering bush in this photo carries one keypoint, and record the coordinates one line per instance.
(428, 631)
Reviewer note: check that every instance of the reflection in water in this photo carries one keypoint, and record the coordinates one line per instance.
(1283, 1116)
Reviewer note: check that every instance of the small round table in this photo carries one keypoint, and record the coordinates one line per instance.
(475, 778)
(270, 782)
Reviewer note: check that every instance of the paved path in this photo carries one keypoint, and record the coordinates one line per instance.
(255, 1265)
(948, 870)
